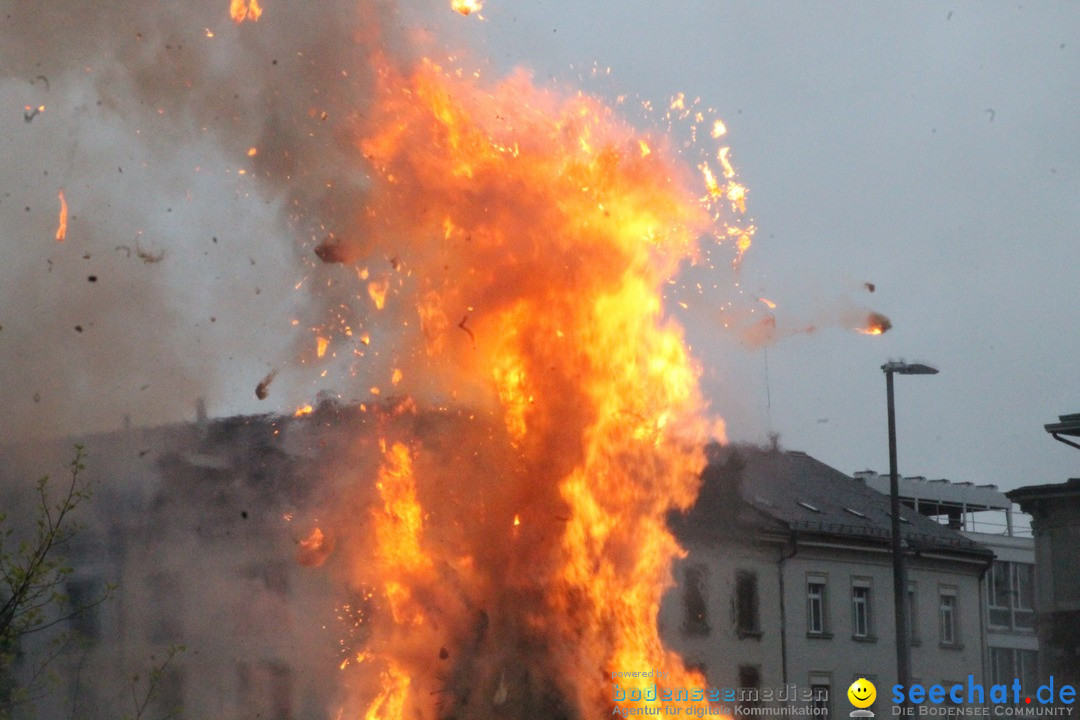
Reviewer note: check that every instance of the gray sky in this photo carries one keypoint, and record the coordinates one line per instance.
(929, 148)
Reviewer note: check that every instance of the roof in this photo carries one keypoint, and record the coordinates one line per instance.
(805, 495)
(965, 495)
(1054, 491)
(1066, 425)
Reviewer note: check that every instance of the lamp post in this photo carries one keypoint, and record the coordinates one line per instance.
(900, 601)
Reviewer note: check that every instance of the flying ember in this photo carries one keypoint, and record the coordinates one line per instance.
(61, 228)
(241, 10)
(466, 7)
(876, 324)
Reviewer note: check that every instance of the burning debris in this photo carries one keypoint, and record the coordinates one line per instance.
(262, 390)
(241, 10)
(466, 7)
(61, 229)
(331, 251)
(30, 112)
(876, 324)
(314, 550)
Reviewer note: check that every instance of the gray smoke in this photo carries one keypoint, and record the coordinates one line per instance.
(178, 275)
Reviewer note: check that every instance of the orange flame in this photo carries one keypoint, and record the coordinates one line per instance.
(315, 549)
(876, 324)
(535, 295)
(303, 410)
(466, 7)
(61, 229)
(241, 10)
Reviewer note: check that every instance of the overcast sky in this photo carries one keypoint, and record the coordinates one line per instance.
(932, 149)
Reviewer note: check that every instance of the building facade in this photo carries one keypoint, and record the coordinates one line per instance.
(987, 516)
(788, 581)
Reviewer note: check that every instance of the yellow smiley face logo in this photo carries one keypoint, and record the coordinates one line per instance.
(862, 693)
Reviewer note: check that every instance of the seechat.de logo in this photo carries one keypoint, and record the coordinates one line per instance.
(862, 695)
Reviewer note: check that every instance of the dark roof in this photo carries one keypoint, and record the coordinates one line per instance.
(1054, 491)
(1066, 425)
(798, 493)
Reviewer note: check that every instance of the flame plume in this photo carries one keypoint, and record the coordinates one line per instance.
(515, 556)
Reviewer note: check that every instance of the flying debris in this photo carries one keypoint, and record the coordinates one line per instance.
(876, 324)
(61, 229)
(148, 257)
(263, 388)
(466, 7)
(466, 329)
(331, 250)
(240, 10)
(991, 113)
(870, 287)
(29, 113)
(315, 549)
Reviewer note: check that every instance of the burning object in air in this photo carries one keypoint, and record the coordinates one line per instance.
(875, 324)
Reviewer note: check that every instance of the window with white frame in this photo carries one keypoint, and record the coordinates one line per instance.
(816, 605)
(1010, 595)
(860, 608)
(948, 620)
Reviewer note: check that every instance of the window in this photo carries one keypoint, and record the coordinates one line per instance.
(84, 597)
(750, 685)
(816, 612)
(696, 618)
(912, 614)
(1008, 663)
(860, 609)
(747, 620)
(947, 617)
(819, 694)
(1010, 595)
(1024, 608)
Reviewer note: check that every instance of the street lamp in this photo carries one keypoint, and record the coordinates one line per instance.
(900, 601)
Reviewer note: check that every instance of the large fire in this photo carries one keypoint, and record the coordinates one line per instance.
(509, 551)
(515, 556)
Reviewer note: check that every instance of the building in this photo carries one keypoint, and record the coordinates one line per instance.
(188, 541)
(1055, 522)
(987, 516)
(1055, 513)
(197, 526)
(788, 581)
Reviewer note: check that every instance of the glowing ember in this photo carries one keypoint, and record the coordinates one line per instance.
(768, 303)
(466, 7)
(303, 410)
(876, 324)
(241, 10)
(61, 229)
(321, 343)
